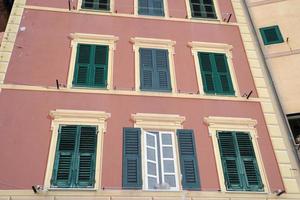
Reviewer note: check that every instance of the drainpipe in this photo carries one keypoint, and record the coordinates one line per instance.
(278, 103)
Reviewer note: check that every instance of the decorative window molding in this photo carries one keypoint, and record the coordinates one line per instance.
(76, 117)
(166, 10)
(157, 121)
(93, 39)
(189, 11)
(111, 7)
(213, 48)
(216, 124)
(153, 43)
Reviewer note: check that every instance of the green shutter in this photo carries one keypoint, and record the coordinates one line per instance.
(271, 35)
(86, 156)
(252, 177)
(203, 9)
(188, 160)
(132, 167)
(151, 7)
(240, 167)
(62, 175)
(215, 73)
(155, 72)
(230, 162)
(91, 66)
(96, 4)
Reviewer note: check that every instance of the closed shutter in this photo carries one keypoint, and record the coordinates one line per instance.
(203, 8)
(188, 160)
(132, 168)
(147, 69)
(96, 4)
(207, 72)
(230, 161)
(151, 7)
(223, 77)
(249, 163)
(86, 156)
(91, 66)
(162, 69)
(62, 175)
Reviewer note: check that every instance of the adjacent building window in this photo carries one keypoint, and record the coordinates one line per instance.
(159, 170)
(271, 35)
(294, 121)
(215, 73)
(91, 66)
(96, 4)
(203, 9)
(75, 157)
(154, 70)
(239, 163)
(151, 7)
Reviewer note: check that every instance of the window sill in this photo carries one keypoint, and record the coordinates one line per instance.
(71, 189)
(205, 19)
(94, 10)
(246, 192)
(88, 88)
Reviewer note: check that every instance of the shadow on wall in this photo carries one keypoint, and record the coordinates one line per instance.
(5, 8)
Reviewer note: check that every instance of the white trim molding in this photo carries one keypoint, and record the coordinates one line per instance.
(157, 121)
(139, 42)
(216, 124)
(82, 38)
(213, 48)
(76, 117)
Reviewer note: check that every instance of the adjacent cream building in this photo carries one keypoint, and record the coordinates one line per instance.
(279, 19)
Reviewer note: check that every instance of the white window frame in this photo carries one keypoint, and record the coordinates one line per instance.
(75, 117)
(166, 10)
(189, 12)
(111, 5)
(150, 122)
(92, 39)
(153, 43)
(213, 48)
(217, 124)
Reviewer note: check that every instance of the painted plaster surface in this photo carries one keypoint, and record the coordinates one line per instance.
(46, 53)
(26, 120)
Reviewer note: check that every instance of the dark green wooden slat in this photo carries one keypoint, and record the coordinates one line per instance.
(132, 167)
(86, 156)
(188, 160)
(162, 69)
(147, 69)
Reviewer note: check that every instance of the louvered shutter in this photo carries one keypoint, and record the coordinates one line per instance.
(229, 161)
(132, 168)
(249, 163)
(188, 160)
(207, 72)
(143, 7)
(162, 70)
(223, 78)
(147, 70)
(82, 68)
(86, 157)
(65, 156)
(100, 66)
(157, 8)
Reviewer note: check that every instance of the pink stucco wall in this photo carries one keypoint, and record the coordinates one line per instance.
(25, 132)
(42, 36)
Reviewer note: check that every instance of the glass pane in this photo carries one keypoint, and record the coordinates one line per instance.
(169, 166)
(167, 152)
(151, 168)
(150, 140)
(166, 139)
(151, 154)
(170, 179)
(152, 182)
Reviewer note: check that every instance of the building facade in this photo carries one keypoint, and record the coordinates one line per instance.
(138, 99)
(280, 45)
